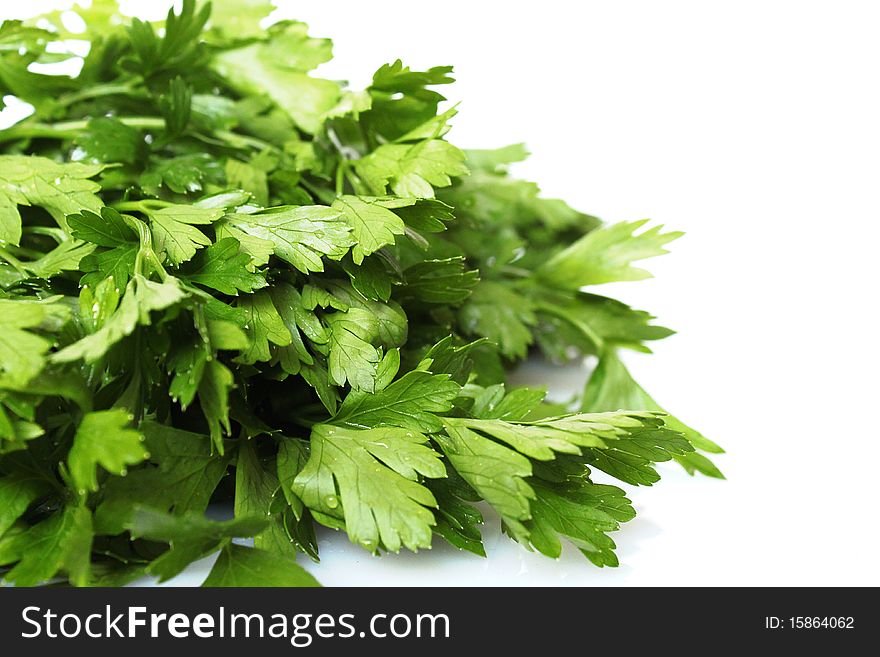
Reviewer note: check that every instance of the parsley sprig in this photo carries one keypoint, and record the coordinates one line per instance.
(226, 280)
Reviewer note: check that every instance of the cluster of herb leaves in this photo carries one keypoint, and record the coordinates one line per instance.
(225, 280)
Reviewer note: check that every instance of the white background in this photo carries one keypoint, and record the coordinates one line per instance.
(753, 126)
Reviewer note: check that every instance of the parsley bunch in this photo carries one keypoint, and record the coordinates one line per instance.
(227, 281)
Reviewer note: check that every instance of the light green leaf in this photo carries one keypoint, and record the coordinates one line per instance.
(17, 493)
(412, 170)
(182, 477)
(142, 297)
(372, 225)
(278, 68)
(495, 160)
(370, 478)
(241, 18)
(632, 459)
(457, 520)
(411, 402)
(102, 438)
(443, 281)
(214, 388)
(264, 326)
(589, 323)
(290, 47)
(238, 565)
(258, 249)
(251, 179)
(258, 494)
(501, 314)
(612, 386)
(402, 99)
(224, 268)
(544, 439)
(108, 140)
(292, 457)
(580, 511)
(390, 320)
(605, 255)
(61, 542)
(352, 358)
(496, 472)
(64, 257)
(298, 321)
(61, 189)
(190, 537)
(174, 231)
(22, 353)
(300, 235)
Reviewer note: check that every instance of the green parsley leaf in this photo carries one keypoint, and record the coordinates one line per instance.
(279, 68)
(223, 267)
(108, 140)
(543, 439)
(612, 386)
(17, 493)
(142, 297)
(498, 474)
(174, 230)
(401, 99)
(606, 255)
(239, 565)
(299, 235)
(63, 541)
(373, 225)
(352, 358)
(102, 438)
(443, 281)
(249, 178)
(61, 189)
(184, 174)
(457, 520)
(412, 170)
(225, 280)
(580, 511)
(589, 323)
(191, 537)
(241, 18)
(182, 474)
(411, 402)
(176, 107)
(369, 479)
(263, 326)
(64, 257)
(22, 352)
(504, 316)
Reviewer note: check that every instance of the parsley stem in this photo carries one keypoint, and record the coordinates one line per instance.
(157, 265)
(341, 171)
(146, 255)
(33, 254)
(369, 142)
(356, 184)
(57, 234)
(70, 129)
(111, 89)
(241, 141)
(517, 272)
(144, 206)
(15, 262)
(323, 195)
